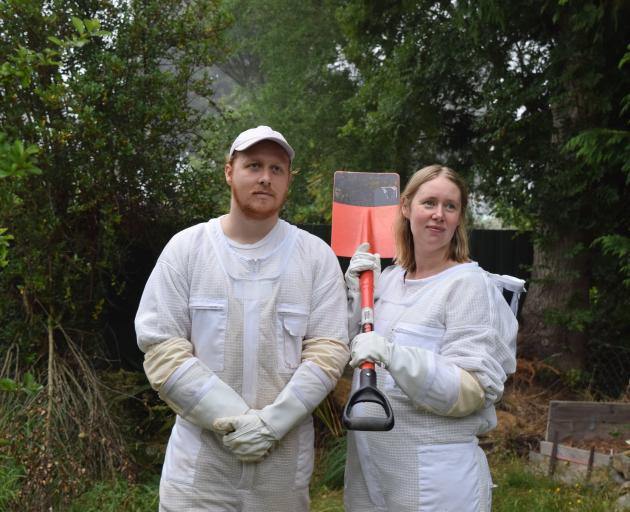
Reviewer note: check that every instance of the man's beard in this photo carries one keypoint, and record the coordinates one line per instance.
(258, 211)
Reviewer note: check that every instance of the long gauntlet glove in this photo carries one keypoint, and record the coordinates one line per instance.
(188, 386)
(428, 379)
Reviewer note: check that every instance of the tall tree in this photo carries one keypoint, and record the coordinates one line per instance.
(289, 74)
(502, 90)
(104, 91)
(113, 121)
(554, 68)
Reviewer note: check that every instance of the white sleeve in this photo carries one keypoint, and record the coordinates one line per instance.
(163, 332)
(481, 334)
(434, 383)
(326, 340)
(163, 311)
(354, 312)
(478, 351)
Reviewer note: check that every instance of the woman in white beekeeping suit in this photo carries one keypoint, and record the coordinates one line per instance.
(244, 330)
(445, 338)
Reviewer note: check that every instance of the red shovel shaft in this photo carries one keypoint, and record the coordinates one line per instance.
(366, 285)
(367, 390)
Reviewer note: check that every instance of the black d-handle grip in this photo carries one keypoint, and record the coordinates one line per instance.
(368, 392)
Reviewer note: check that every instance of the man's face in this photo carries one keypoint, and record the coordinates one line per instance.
(259, 178)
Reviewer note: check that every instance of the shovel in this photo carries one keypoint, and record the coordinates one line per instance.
(364, 208)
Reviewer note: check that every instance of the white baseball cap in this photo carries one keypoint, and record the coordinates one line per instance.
(254, 135)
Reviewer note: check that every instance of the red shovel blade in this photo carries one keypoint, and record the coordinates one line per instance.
(365, 205)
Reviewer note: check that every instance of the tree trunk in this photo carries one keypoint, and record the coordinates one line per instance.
(558, 289)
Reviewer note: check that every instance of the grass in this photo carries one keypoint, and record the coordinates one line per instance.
(118, 496)
(327, 500)
(10, 475)
(518, 489)
(327, 482)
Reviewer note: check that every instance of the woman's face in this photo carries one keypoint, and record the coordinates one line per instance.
(434, 213)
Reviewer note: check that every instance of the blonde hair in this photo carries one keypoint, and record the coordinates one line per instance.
(458, 250)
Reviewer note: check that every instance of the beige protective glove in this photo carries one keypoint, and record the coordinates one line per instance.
(369, 346)
(246, 435)
(361, 261)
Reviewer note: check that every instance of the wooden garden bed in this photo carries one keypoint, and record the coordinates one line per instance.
(582, 438)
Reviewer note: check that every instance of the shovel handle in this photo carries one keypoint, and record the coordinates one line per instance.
(367, 391)
(366, 285)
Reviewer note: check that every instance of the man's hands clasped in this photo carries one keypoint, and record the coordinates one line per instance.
(246, 435)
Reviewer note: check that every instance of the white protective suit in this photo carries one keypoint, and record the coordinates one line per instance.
(267, 334)
(456, 320)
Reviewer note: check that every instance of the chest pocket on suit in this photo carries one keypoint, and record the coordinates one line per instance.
(415, 335)
(291, 328)
(207, 333)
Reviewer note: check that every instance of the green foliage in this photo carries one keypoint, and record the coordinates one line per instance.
(413, 104)
(117, 495)
(16, 159)
(575, 379)
(10, 476)
(329, 414)
(4, 246)
(28, 385)
(63, 437)
(327, 500)
(331, 464)
(106, 102)
(599, 147)
(618, 246)
(288, 73)
(530, 100)
(145, 420)
(101, 93)
(573, 319)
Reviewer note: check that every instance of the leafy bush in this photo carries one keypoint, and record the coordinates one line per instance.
(118, 495)
(61, 437)
(331, 464)
(10, 475)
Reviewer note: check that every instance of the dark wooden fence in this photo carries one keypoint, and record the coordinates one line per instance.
(499, 251)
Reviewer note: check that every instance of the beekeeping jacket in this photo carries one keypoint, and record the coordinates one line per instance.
(224, 333)
(459, 327)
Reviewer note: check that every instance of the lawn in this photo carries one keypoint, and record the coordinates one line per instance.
(517, 489)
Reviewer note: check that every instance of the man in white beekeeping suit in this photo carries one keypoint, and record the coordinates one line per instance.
(244, 330)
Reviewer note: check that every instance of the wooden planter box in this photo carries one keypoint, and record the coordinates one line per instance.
(582, 437)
